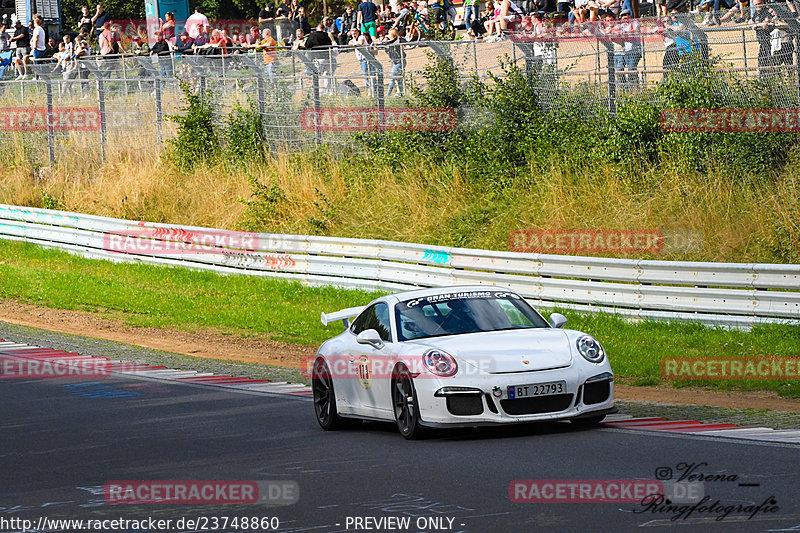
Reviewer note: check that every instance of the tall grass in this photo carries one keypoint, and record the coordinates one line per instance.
(469, 187)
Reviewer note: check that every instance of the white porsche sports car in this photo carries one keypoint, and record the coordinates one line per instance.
(458, 356)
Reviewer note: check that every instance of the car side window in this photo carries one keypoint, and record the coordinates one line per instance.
(374, 317)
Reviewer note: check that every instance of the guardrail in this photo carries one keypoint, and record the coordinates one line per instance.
(725, 294)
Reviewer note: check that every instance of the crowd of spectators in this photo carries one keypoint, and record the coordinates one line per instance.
(366, 25)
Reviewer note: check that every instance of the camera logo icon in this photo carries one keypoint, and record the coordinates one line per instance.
(663, 473)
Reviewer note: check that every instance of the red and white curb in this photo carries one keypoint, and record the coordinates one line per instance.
(19, 350)
(698, 428)
(620, 421)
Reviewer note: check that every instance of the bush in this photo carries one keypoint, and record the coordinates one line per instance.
(196, 141)
(244, 134)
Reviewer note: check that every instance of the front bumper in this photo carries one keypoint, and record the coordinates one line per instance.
(483, 400)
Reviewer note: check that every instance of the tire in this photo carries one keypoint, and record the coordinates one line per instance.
(406, 407)
(588, 422)
(324, 397)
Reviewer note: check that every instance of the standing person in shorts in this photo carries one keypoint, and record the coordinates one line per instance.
(21, 40)
(368, 18)
(661, 8)
(39, 37)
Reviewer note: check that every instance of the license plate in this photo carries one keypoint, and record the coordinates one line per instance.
(537, 389)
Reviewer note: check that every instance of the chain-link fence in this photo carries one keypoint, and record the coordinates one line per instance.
(85, 109)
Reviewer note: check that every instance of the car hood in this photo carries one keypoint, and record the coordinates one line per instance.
(498, 352)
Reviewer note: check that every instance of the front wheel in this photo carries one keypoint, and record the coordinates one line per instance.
(406, 407)
(324, 396)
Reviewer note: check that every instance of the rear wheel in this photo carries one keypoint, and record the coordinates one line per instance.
(324, 396)
(406, 408)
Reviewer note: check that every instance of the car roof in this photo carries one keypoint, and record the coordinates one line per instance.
(422, 293)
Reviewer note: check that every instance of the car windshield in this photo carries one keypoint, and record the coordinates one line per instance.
(457, 313)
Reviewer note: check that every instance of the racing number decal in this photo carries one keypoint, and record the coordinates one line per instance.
(364, 377)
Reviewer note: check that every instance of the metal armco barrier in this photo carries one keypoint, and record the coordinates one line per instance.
(725, 294)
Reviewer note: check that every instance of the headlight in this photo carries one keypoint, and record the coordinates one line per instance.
(440, 363)
(590, 349)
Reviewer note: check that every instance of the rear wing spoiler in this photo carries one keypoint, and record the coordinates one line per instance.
(344, 315)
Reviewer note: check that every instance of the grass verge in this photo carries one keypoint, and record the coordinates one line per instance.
(154, 296)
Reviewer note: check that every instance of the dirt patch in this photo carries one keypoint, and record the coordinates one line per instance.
(214, 345)
(206, 344)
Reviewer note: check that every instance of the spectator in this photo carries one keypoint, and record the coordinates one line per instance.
(197, 23)
(367, 18)
(266, 15)
(349, 21)
(678, 6)
(5, 44)
(601, 8)
(394, 48)
(168, 28)
(116, 38)
(105, 40)
(52, 48)
(69, 46)
(160, 47)
(21, 39)
(298, 42)
(742, 9)
(387, 16)
(510, 14)
(99, 20)
(493, 23)
(580, 12)
(269, 47)
(201, 40)
(39, 38)
(782, 43)
(236, 43)
(81, 51)
(318, 38)
(252, 38)
(85, 23)
(471, 9)
(630, 37)
(711, 8)
(435, 10)
(283, 10)
(763, 24)
(359, 39)
(478, 26)
(184, 44)
(319, 42)
(225, 42)
(300, 20)
(294, 6)
(66, 62)
(403, 19)
(140, 47)
(331, 29)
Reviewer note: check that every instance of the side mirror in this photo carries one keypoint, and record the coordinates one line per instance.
(557, 320)
(371, 337)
